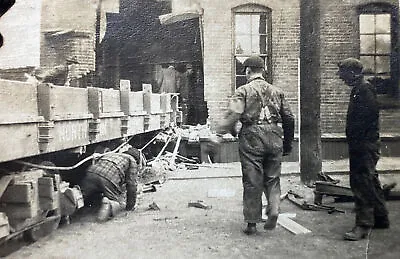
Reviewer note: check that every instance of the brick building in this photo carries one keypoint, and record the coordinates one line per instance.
(216, 36)
(52, 32)
(366, 29)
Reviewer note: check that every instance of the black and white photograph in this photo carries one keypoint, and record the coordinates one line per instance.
(200, 129)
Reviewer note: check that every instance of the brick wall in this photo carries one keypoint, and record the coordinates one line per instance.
(56, 48)
(218, 49)
(68, 30)
(339, 39)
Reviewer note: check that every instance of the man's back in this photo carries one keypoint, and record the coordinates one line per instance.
(263, 102)
(112, 167)
(363, 114)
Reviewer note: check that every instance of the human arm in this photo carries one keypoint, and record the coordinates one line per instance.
(235, 110)
(287, 125)
(131, 184)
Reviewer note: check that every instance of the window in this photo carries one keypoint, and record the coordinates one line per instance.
(252, 36)
(378, 34)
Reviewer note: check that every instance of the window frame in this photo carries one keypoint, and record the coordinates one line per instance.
(392, 10)
(253, 9)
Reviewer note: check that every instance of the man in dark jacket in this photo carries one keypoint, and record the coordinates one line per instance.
(362, 133)
(108, 176)
(266, 118)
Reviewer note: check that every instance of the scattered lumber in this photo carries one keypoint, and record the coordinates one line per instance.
(292, 226)
(199, 204)
(344, 193)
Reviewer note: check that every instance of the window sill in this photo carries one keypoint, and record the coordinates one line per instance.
(388, 102)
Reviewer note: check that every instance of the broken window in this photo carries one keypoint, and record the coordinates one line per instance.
(377, 35)
(252, 36)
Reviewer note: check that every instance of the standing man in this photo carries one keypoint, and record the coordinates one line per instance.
(266, 118)
(108, 176)
(362, 133)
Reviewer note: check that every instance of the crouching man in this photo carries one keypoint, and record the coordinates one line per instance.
(108, 176)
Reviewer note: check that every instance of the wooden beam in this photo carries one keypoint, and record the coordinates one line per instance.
(310, 96)
(292, 226)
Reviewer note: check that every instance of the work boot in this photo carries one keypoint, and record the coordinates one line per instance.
(105, 210)
(115, 207)
(271, 223)
(381, 222)
(251, 229)
(357, 233)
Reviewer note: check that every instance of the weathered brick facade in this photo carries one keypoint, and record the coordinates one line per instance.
(218, 50)
(339, 39)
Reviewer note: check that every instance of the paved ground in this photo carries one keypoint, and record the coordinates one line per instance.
(177, 231)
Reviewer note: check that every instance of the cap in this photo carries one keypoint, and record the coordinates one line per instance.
(254, 61)
(135, 153)
(352, 64)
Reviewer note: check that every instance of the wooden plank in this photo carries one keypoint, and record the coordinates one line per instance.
(292, 226)
(285, 214)
(54, 102)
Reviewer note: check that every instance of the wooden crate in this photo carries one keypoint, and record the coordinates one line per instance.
(66, 113)
(19, 120)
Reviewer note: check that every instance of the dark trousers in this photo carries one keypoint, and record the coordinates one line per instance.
(94, 186)
(260, 150)
(365, 184)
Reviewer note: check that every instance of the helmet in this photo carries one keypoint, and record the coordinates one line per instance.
(351, 64)
(254, 61)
